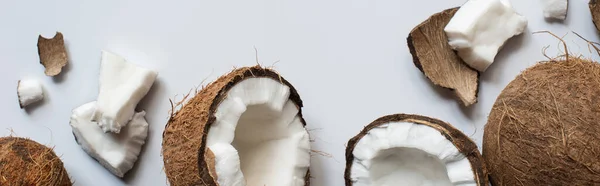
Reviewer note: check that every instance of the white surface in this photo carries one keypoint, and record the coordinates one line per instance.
(347, 58)
(480, 28)
(116, 152)
(403, 153)
(261, 124)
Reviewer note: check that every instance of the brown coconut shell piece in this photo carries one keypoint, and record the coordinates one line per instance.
(53, 54)
(465, 145)
(26, 162)
(595, 10)
(544, 127)
(187, 159)
(432, 54)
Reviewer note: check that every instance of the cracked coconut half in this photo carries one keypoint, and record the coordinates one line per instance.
(433, 55)
(413, 150)
(246, 128)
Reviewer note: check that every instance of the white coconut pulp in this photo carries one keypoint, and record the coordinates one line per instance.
(122, 86)
(401, 153)
(29, 91)
(116, 152)
(258, 137)
(555, 9)
(480, 28)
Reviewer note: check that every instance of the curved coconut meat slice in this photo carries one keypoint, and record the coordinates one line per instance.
(412, 150)
(246, 128)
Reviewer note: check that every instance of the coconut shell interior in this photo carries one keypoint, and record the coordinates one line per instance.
(26, 162)
(465, 145)
(53, 54)
(432, 54)
(543, 128)
(187, 159)
(595, 10)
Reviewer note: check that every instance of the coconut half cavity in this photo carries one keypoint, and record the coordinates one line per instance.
(413, 150)
(253, 134)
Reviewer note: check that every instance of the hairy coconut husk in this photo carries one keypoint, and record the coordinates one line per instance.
(53, 54)
(544, 127)
(432, 54)
(465, 145)
(26, 162)
(595, 10)
(187, 159)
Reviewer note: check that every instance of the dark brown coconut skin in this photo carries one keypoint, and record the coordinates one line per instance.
(544, 127)
(26, 162)
(187, 159)
(595, 10)
(465, 145)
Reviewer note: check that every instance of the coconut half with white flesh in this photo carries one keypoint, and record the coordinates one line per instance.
(413, 150)
(246, 128)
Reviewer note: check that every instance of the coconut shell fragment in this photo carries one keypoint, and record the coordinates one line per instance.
(26, 162)
(544, 127)
(465, 146)
(595, 10)
(433, 55)
(53, 54)
(187, 159)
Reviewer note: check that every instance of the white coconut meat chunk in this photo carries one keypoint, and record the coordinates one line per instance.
(555, 9)
(258, 137)
(401, 153)
(29, 91)
(480, 28)
(122, 86)
(116, 152)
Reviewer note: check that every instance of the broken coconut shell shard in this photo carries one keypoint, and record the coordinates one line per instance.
(543, 128)
(53, 54)
(116, 152)
(433, 55)
(245, 128)
(595, 10)
(26, 162)
(413, 150)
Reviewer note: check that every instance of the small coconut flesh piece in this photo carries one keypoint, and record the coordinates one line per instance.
(543, 128)
(555, 9)
(480, 28)
(26, 162)
(595, 10)
(122, 86)
(246, 128)
(29, 91)
(53, 54)
(433, 55)
(116, 152)
(412, 150)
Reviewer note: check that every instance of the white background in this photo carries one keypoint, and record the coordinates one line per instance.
(347, 58)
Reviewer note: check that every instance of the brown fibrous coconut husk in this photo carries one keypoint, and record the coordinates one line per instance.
(53, 54)
(26, 162)
(595, 10)
(187, 159)
(544, 127)
(465, 145)
(432, 54)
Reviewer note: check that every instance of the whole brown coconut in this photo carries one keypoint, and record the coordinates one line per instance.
(544, 128)
(187, 159)
(26, 162)
(464, 145)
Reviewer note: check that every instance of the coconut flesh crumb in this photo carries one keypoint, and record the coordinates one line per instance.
(122, 86)
(29, 91)
(116, 152)
(555, 9)
(404, 153)
(258, 137)
(480, 28)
